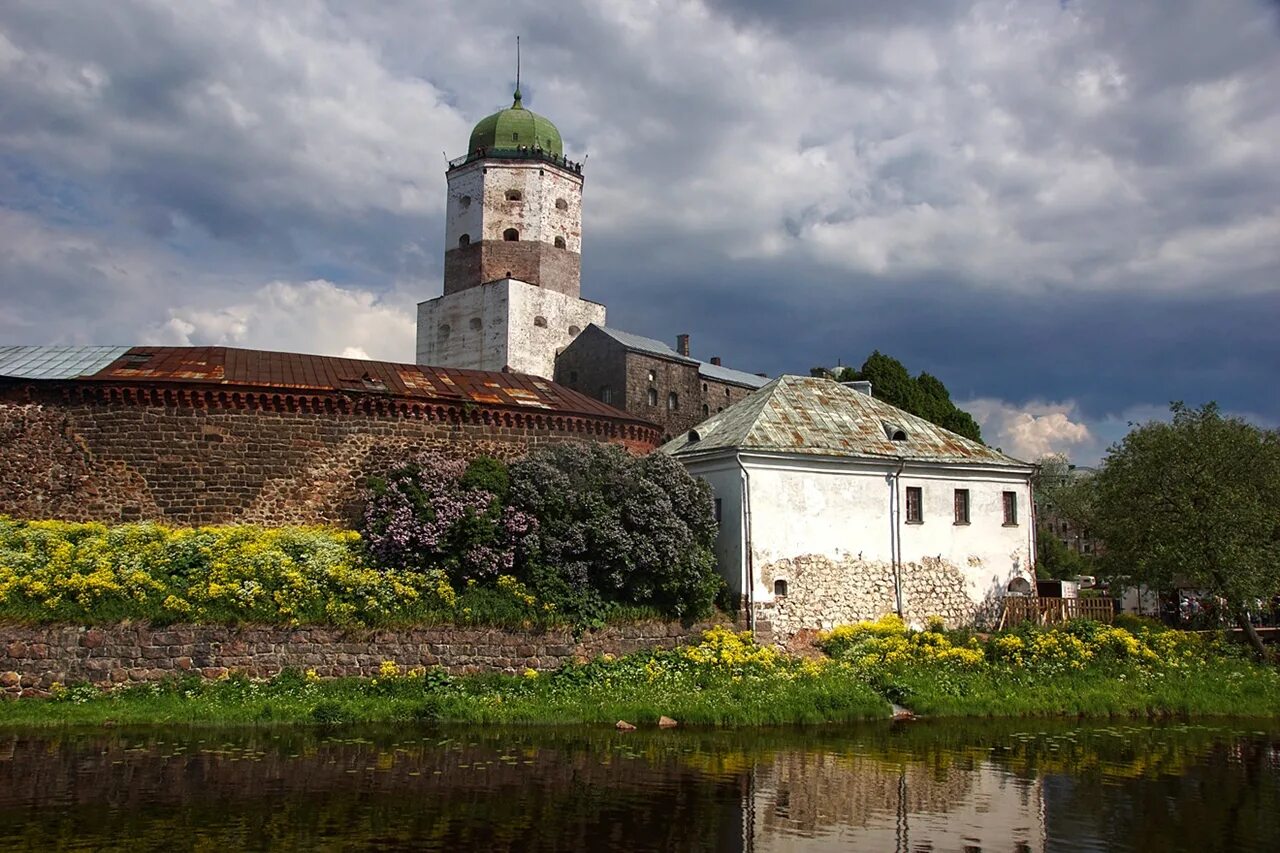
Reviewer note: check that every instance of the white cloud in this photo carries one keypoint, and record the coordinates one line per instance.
(314, 316)
(1033, 429)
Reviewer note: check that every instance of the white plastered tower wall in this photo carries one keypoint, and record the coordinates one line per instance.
(505, 324)
(550, 203)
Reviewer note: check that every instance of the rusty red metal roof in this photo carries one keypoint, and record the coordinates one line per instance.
(261, 370)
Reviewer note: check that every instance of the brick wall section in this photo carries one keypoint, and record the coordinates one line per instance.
(113, 462)
(34, 657)
(526, 260)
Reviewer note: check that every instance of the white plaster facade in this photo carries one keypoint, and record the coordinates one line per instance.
(834, 530)
(549, 206)
(503, 324)
(811, 481)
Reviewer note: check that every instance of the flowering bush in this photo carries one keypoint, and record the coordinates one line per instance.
(63, 571)
(617, 529)
(441, 513)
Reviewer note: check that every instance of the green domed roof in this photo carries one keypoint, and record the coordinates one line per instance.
(511, 128)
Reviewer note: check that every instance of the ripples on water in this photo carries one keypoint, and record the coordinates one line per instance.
(1000, 786)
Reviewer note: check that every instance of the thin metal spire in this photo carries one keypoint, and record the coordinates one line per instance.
(517, 69)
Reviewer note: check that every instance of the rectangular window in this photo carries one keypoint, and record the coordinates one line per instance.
(962, 506)
(1010, 509)
(606, 394)
(915, 505)
(717, 510)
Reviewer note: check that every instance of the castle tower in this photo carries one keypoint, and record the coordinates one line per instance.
(512, 260)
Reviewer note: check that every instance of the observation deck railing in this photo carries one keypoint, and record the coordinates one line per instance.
(523, 152)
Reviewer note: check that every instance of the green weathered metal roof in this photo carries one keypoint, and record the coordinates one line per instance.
(820, 417)
(509, 129)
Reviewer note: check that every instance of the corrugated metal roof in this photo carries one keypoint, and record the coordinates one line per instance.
(642, 344)
(721, 373)
(264, 370)
(808, 415)
(26, 362)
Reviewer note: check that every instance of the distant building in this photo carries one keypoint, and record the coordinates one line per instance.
(650, 380)
(835, 507)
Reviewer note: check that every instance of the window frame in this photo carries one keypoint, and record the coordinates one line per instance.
(1009, 507)
(914, 514)
(963, 506)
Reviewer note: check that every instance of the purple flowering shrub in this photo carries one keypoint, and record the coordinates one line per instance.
(616, 529)
(436, 512)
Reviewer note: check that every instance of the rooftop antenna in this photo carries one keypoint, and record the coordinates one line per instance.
(517, 70)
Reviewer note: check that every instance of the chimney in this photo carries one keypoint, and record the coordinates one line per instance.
(715, 359)
(682, 345)
(862, 386)
(763, 375)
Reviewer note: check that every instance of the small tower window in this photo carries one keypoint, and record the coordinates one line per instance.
(464, 240)
(515, 136)
(515, 195)
(606, 394)
(706, 410)
(653, 396)
(444, 331)
(704, 387)
(780, 588)
(511, 235)
(540, 322)
(561, 204)
(465, 201)
(673, 401)
(574, 330)
(653, 376)
(559, 242)
(476, 324)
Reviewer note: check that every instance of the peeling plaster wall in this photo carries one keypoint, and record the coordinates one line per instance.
(509, 334)
(825, 527)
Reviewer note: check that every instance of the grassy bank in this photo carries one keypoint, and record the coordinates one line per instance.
(1085, 669)
(724, 681)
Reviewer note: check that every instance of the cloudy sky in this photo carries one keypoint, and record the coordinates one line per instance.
(1069, 210)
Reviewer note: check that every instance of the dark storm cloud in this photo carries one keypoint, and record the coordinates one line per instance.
(1038, 201)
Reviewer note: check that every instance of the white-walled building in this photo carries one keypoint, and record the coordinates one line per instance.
(836, 507)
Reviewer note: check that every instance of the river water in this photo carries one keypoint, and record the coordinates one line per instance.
(921, 786)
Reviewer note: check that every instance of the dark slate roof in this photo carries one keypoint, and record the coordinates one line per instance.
(652, 346)
(247, 369)
(808, 415)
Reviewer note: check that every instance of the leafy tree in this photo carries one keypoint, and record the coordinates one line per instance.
(1197, 499)
(924, 395)
(1056, 560)
(617, 529)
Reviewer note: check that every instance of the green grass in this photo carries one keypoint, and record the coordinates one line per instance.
(561, 698)
(1230, 688)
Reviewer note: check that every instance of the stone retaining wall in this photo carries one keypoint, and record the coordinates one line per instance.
(32, 658)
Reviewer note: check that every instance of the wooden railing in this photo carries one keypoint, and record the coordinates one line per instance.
(1050, 611)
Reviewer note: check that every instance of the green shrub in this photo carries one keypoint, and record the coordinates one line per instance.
(615, 529)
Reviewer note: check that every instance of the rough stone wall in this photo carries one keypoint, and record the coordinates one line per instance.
(591, 363)
(680, 377)
(32, 658)
(93, 461)
(719, 396)
(823, 593)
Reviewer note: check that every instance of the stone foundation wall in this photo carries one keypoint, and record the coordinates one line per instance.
(115, 462)
(823, 593)
(33, 658)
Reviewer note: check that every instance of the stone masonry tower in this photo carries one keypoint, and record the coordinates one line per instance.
(512, 262)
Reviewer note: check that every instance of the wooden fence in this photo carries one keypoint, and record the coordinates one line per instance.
(1050, 611)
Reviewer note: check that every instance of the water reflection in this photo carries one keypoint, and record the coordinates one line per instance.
(1013, 786)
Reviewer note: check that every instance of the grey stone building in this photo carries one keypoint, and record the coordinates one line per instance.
(650, 380)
